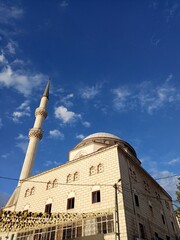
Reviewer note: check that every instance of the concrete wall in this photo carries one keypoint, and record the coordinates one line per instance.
(150, 208)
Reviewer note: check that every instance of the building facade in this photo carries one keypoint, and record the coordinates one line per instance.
(102, 192)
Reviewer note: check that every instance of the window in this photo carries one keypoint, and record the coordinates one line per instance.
(136, 200)
(48, 208)
(163, 219)
(100, 168)
(146, 186)
(76, 176)
(167, 204)
(70, 203)
(96, 196)
(27, 193)
(92, 170)
(133, 174)
(12, 236)
(141, 230)
(86, 227)
(49, 185)
(157, 195)
(55, 183)
(69, 178)
(172, 225)
(105, 224)
(32, 191)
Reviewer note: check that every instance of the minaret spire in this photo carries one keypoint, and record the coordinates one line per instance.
(46, 91)
(35, 135)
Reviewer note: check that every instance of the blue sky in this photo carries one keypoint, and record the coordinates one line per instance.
(115, 67)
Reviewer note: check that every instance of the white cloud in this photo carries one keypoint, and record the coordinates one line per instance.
(80, 136)
(86, 124)
(11, 47)
(21, 111)
(174, 161)
(64, 3)
(21, 137)
(167, 182)
(2, 58)
(155, 41)
(6, 155)
(49, 163)
(1, 123)
(172, 10)
(9, 13)
(56, 134)
(22, 81)
(146, 97)
(66, 100)
(121, 97)
(90, 92)
(22, 146)
(64, 115)
(22, 142)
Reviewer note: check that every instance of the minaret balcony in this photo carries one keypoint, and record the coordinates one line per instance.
(36, 132)
(41, 111)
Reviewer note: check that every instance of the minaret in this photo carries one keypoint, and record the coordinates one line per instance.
(35, 135)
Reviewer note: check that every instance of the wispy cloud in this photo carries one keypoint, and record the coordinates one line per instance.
(90, 92)
(20, 79)
(168, 181)
(122, 95)
(67, 100)
(11, 47)
(1, 123)
(56, 134)
(21, 111)
(86, 124)
(9, 13)
(22, 146)
(66, 116)
(22, 142)
(50, 163)
(6, 155)
(22, 137)
(3, 59)
(146, 97)
(80, 136)
(155, 41)
(174, 161)
(172, 10)
(64, 3)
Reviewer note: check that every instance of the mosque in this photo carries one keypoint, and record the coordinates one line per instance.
(102, 192)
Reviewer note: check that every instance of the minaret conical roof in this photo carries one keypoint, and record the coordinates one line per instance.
(46, 91)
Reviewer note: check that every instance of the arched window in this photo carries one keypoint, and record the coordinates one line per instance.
(100, 168)
(76, 176)
(92, 170)
(49, 185)
(55, 183)
(32, 191)
(27, 193)
(69, 178)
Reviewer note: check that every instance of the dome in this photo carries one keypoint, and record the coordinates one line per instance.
(105, 140)
(101, 135)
